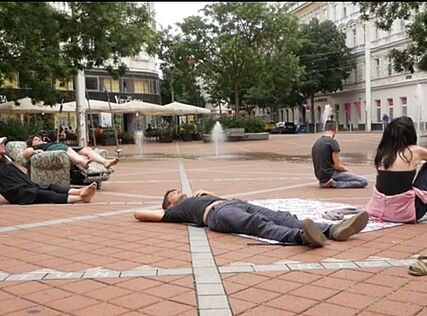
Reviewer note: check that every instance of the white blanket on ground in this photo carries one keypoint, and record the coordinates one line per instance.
(314, 210)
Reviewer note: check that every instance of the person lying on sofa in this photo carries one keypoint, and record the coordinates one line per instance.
(83, 156)
(17, 188)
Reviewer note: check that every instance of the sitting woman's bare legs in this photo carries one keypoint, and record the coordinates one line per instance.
(84, 194)
(94, 156)
(78, 159)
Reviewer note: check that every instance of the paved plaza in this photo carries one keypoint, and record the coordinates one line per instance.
(95, 259)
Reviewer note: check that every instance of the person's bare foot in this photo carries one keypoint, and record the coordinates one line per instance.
(88, 192)
(111, 162)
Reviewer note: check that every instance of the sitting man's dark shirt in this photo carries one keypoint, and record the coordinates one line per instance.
(15, 186)
(321, 153)
(190, 210)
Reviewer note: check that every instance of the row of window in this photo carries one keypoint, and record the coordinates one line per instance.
(354, 38)
(126, 85)
(380, 113)
(99, 83)
(380, 67)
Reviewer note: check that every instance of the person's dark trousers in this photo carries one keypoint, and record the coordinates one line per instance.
(52, 194)
(421, 183)
(240, 217)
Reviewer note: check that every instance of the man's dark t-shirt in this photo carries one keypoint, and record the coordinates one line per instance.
(15, 186)
(321, 153)
(190, 210)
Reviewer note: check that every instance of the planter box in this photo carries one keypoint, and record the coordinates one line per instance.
(187, 137)
(246, 136)
(109, 141)
(165, 139)
(257, 136)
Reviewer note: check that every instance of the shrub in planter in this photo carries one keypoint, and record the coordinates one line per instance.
(250, 124)
(166, 136)
(186, 131)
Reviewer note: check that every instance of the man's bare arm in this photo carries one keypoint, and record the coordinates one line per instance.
(28, 152)
(338, 166)
(149, 216)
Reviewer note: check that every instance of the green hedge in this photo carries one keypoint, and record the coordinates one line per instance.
(250, 124)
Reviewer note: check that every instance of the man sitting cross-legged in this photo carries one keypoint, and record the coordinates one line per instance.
(17, 188)
(240, 217)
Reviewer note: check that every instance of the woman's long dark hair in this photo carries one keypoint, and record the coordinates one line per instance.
(398, 135)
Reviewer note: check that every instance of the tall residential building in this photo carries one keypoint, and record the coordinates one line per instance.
(393, 94)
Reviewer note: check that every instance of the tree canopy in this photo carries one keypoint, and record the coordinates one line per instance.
(43, 45)
(246, 53)
(179, 72)
(327, 60)
(385, 13)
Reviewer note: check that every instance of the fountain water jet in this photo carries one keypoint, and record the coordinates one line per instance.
(217, 136)
(139, 139)
(327, 112)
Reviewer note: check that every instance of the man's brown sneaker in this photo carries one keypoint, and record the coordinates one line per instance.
(312, 236)
(349, 227)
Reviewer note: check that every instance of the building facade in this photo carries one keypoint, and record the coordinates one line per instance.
(392, 94)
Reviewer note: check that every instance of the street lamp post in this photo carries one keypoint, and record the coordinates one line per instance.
(80, 108)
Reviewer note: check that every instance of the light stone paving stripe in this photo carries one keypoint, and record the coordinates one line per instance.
(339, 265)
(208, 280)
(63, 275)
(73, 219)
(215, 312)
(205, 270)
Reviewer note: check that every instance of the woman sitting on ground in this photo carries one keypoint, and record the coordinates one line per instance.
(83, 156)
(396, 196)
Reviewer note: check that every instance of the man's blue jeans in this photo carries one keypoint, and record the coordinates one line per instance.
(240, 217)
(347, 179)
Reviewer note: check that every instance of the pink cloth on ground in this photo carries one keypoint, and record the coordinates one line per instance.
(398, 208)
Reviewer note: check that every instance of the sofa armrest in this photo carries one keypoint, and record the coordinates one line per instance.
(51, 160)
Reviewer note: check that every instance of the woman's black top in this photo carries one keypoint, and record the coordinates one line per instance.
(190, 210)
(394, 182)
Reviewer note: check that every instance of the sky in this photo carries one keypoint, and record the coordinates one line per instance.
(168, 13)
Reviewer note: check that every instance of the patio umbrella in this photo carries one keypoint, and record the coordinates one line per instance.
(26, 106)
(134, 106)
(178, 108)
(95, 106)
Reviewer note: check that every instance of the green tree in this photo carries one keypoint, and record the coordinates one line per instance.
(179, 71)
(224, 42)
(234, 43)
(43, 45)
(325, 57)
(277, 70)
(385, 13)
(29, 45)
